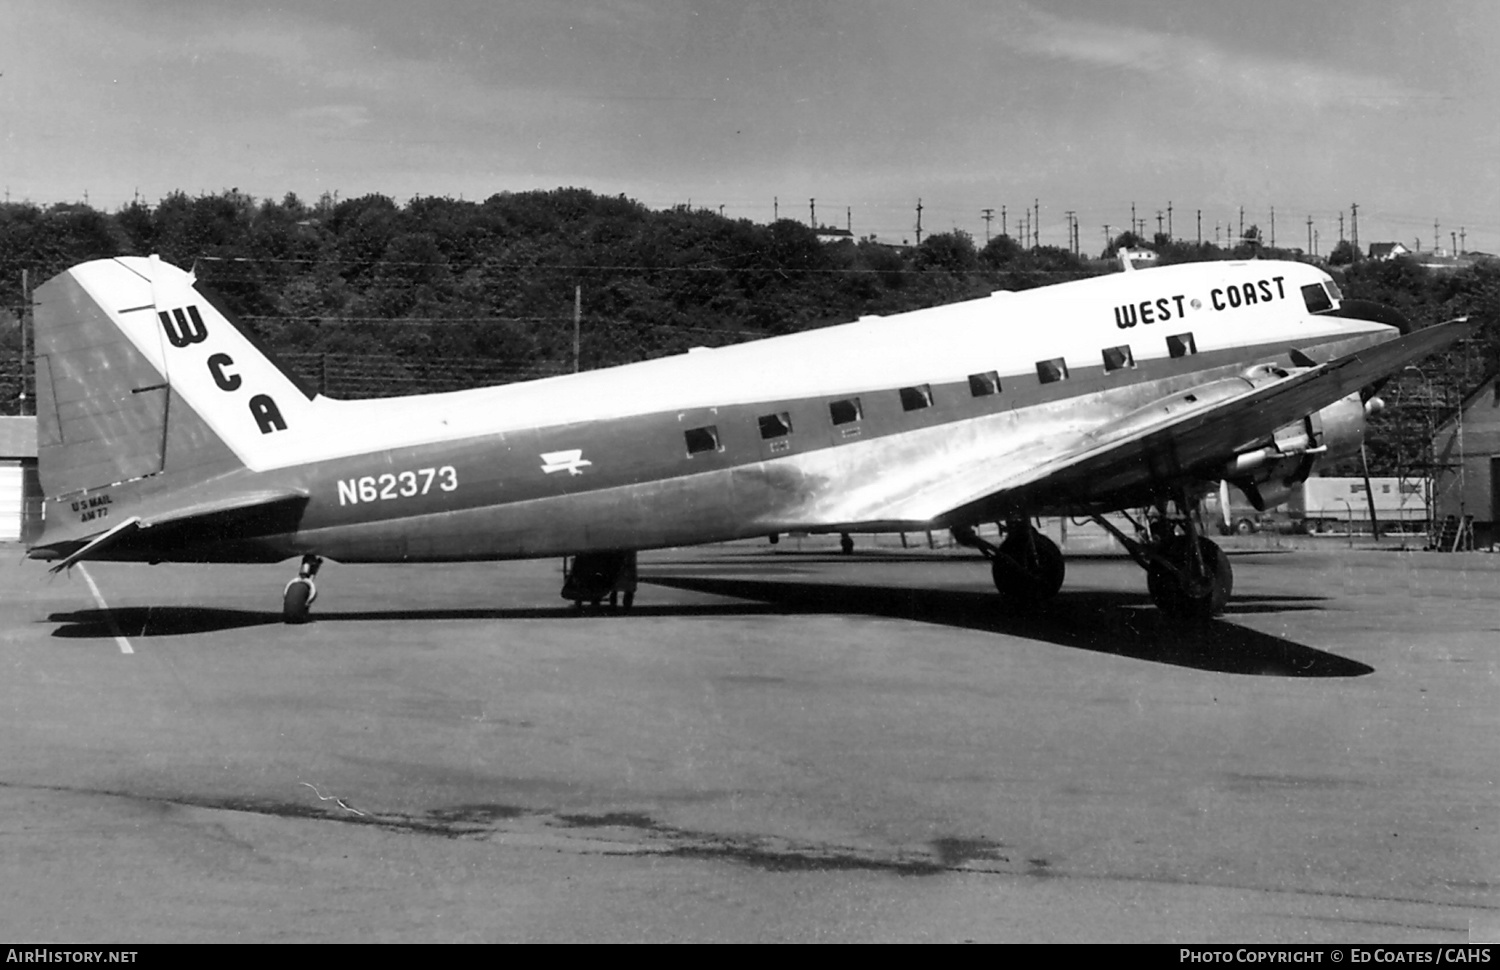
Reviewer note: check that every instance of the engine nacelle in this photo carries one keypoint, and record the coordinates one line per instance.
(1268, 473)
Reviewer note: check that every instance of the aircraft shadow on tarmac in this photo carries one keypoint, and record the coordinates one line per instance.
(1117, 623)
(1108, 622)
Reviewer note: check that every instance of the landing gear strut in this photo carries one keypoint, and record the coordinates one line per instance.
(299, 594)
(1192, 578)
(1027, 567)
(1187, 574)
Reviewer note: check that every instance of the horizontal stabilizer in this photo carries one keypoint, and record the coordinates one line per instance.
(223, 517)
(99, 543)
(235, 503)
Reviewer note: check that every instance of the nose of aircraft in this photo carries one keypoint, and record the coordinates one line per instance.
(1374, 312)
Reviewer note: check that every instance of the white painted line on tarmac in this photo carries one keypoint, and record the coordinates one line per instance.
(99, 598)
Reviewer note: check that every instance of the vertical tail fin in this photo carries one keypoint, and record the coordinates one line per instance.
(140, 375)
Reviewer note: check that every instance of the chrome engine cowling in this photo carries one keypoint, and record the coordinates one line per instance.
(1268, 472)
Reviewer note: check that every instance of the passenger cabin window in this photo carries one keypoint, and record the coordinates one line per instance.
(700, 440)
(1181, 345)
(983, 385)
(916, 398)
(1052, 371)
(777, 425)
(1118, 358)
(1316, 298)
(846, 411)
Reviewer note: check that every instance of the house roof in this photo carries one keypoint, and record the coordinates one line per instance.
(17, 437)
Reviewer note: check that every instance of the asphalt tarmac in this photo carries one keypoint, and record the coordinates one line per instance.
(777, 744)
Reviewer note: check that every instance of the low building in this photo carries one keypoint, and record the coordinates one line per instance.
(20, 490)
(1466, 463)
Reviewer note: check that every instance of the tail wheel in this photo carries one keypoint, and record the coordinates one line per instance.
(296, 600)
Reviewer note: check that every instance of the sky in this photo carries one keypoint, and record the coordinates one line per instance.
(759, 106)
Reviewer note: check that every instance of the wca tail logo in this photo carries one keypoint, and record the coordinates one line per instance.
(183, 328)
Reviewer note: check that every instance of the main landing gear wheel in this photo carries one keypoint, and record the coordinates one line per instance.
(599, 577)
(297, 598)
(846, 543)
(1187, 586)
(1028, 567)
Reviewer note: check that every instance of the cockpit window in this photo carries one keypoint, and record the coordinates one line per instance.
(1333, 290)
(1316, 298)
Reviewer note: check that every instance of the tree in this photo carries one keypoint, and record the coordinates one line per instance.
(952, 251)
(1343, 254)
(999, 251)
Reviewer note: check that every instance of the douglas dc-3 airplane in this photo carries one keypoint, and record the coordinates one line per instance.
(167, 434)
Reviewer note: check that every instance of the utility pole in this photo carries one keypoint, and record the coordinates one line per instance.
(1453, 241)
(1036, 229)
(1003, 230)
(1132, 217)
(1242, 224)
(1200, 228)
(812, 213)
(1169, 218)
(1273, 227)
(1309, 233)
(1069, 214)
(989, 217)
(1216, 233)
(1107, 239)
(775, 209)
(1435, 245)
(919, 221)
(577, 321)
(1158, 222)
(1463, 239)
(25, 312)
(849, 219)
(1354, 226)
(1341, 227)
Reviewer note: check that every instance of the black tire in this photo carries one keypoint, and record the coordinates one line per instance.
(846, 543)
(1028, 573)
(628, 601)
(1244, 527)
(1202, 600)
(295, 601)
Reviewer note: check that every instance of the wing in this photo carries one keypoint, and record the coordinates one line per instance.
(1188, 434)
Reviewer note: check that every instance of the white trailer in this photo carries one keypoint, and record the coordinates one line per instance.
(1341, 504)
